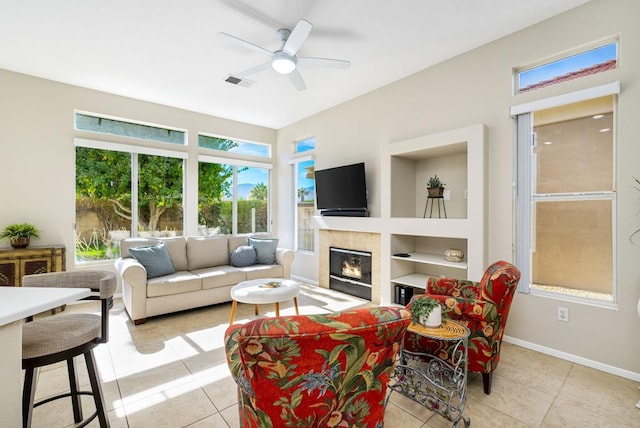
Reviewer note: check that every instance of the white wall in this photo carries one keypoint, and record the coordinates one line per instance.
(37, 155)
(477, 88)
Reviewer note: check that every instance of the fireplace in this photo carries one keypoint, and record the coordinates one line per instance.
(350, 272)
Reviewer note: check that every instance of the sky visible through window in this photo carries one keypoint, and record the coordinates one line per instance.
(306, 178)
(305, 145)
(567, 65)
(304, 181)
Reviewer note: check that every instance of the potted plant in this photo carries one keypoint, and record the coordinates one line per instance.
(426, 311)
(435, 187)
(19, 234)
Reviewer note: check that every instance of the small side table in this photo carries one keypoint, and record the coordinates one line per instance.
(439, 385)
(264, 291)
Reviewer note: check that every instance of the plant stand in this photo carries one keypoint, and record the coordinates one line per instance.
(439, 199)
(436, 384)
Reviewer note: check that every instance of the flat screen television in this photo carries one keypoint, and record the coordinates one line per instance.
(342, 191)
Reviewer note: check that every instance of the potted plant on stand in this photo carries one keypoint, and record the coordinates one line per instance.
(426, 311)
(19, 234)
(435, 187)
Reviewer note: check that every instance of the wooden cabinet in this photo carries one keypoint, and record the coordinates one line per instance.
(15, 263)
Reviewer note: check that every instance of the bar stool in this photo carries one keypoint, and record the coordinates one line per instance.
(63, 337)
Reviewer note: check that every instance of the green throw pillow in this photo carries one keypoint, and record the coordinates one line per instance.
(155, 259)
(265, 250)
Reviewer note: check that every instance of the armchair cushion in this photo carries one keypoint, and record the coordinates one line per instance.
(315, 370)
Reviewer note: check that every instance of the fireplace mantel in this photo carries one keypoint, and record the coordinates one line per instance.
(350, 224)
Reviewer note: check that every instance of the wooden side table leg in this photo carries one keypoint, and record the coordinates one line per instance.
(234, 304)
(295, 303)
(277, 309)
(256, 310)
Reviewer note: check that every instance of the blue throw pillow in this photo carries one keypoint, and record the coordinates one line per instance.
(265, 250)
(243, 256)
(155, 259)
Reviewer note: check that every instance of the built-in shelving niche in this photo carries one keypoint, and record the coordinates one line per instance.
(426, 258)
(410, 173)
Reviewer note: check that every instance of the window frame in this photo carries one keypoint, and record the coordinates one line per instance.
(525, 196)
(237, 141)
(236, 163)
(134, 151)
(185, 136)
(549, 61)
(299, 157)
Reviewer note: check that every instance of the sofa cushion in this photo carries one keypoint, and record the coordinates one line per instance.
(236, 241)
(265, 250)
(176, 283)
(155, 259)
(178, 251)
(243, 256)
(263, 271)
(204, 252)
(127, 243)
(220, 276)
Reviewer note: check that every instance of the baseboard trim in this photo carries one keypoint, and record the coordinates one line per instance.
(305, 280)
(627, 374)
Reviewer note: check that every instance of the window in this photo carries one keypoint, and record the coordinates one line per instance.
(234, 146)
(120, 189)
(566, 199)
(104, 125)
(138, 189)
(586, 63)
(304, 206)
(304, 145)
(233, 197)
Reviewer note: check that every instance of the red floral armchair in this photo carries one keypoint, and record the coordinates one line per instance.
(481, 306)
(315, 370)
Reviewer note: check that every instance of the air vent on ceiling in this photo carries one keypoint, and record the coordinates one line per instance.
(239, 81)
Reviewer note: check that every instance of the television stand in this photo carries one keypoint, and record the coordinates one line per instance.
(345, 213)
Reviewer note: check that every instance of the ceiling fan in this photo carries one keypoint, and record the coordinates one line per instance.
(284, 60)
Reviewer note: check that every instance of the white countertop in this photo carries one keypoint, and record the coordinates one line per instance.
(20, 302)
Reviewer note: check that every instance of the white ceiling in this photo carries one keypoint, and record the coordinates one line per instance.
(168, 51)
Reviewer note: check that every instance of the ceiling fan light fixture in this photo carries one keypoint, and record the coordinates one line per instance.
(283, 63)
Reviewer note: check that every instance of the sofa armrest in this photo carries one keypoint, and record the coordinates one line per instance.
(284, 257)
(134, 287)
(131, 271)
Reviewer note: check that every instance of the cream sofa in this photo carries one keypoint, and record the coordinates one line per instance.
(203, 274)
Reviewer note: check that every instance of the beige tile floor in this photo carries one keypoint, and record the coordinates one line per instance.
(171, 372)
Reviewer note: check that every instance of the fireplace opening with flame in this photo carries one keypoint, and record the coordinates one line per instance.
(351, 268)
(350, 272)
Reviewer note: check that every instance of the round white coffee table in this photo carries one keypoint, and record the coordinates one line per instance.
(264, 291)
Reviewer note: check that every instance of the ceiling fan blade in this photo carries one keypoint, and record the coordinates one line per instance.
(297, 80)
(244, 43)
(255, 69)
(323, 62)
(297, 37)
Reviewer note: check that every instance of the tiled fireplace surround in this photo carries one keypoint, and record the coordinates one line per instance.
(360, 241)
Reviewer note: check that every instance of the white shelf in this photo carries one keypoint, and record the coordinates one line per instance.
(431, 259)
(417, 280)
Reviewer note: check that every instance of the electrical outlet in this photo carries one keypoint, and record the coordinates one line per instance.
(446, 195)
(466, 194)
(563, 314)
